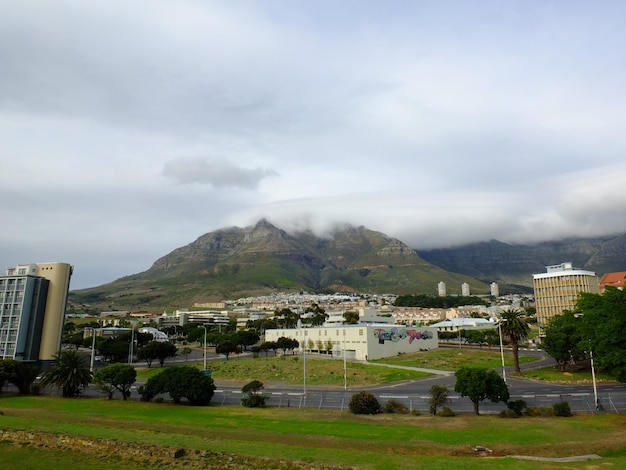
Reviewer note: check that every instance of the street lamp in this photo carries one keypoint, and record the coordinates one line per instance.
(132, 341)
(93, 347)
(501, 350)
(593, 370)
(345, 369)
(204, 326)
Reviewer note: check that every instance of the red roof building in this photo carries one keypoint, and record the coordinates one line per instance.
(613, 279)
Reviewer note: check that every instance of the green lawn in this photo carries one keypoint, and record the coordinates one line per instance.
(290, 370)
(450, 359)
(309, 435)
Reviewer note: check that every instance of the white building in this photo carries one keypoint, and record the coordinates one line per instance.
(361, 342)
(465, 289)
(495, 290)
(441, 289)
(456, 324)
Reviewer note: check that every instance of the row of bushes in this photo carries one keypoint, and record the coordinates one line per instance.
(367, 403)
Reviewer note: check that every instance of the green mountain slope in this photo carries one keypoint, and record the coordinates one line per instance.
(238, 262)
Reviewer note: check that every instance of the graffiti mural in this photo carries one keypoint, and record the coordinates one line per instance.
(397, 334)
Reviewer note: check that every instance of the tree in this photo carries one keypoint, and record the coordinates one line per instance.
(227, 348)
(516, 329)
(118, 376)
(70, 372)
(181, 382)
(438, 397)
(603, 323)
(364, 403)
(114, 349)
(479, 384)
(350, 318)
(21, 374)
(159, 350)
(563, 337)
(246, 338)
(254, 398)
(186, 351)
(285, 343)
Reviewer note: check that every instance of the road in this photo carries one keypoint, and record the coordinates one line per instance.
(415, 393)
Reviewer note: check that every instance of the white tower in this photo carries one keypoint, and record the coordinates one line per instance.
(465, 289)
(495, 291)
(441, 289)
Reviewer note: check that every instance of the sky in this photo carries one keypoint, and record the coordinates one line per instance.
(129, 129)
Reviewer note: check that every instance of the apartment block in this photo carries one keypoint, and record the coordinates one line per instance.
(557, 289)
(33, 300)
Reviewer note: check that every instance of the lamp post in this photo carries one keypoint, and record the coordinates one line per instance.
(501, 350)
(204, 355)
(93, 348)
(132, 342)
(593, 370)
(345, 369)
(593, 378)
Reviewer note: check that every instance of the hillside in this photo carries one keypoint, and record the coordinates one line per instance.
(238, 262)
(515, 264)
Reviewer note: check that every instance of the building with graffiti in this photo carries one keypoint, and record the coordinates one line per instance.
(361, 341)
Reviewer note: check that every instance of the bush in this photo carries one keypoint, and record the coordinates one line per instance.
(518, 407)
(364, 403)
(254, 399)
(415, 412)
(562, 409)
(395, 406)
(446, 412)
(540, 411)
(508, 414)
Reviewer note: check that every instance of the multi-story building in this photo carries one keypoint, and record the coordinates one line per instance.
(617, 280)
(557, 289)
(33, 299)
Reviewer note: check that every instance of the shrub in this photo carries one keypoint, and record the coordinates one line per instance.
(254, 399)
(395, 406)
(364, 403)
(508, 414)
(518, 407)
(415, 412)
(540, 411)
(446, 412)
(562, 409)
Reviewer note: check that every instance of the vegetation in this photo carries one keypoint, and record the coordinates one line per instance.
(254, 397)
(70, 373)
(364, 403)
(180, 382)
(311, 436)
(596, 327)
(20, 374)
(157, 350)
(436, 301)
(515, 327)
(118, 377)
(479, 385)
(438, 397)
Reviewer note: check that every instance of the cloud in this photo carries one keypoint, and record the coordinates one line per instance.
(437, 123)
(217, 172)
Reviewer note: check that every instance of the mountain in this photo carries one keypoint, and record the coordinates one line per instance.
(515, 264)
(238, 262)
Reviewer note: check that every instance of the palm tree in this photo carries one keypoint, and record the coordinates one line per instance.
(516, 329)
(70, 372)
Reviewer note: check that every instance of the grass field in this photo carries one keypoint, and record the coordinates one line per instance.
(323, 371)
(319, 437)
